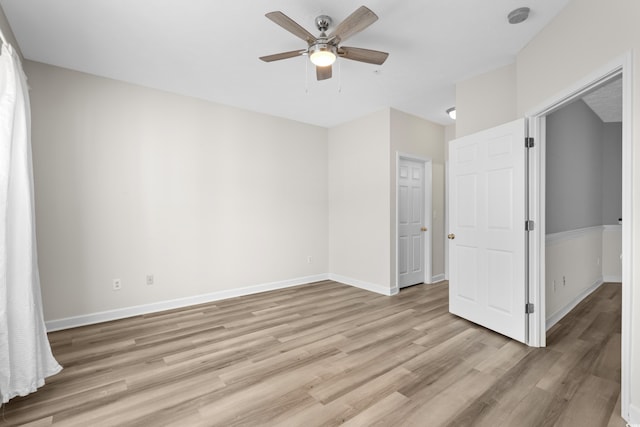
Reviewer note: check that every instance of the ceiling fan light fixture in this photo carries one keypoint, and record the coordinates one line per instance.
(322, 54)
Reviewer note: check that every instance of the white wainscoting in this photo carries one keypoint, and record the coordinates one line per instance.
(579, 261)
(611, 253)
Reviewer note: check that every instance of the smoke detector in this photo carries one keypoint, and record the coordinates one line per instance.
(518, 15)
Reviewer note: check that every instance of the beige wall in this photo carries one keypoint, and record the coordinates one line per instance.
(419, 137)
(586, 36)
(132, 181)
(359, 207)
(582, 40)
(486, 100)
(449, 135)
(362, 194)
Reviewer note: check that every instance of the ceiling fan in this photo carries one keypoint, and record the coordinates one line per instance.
(324, 49)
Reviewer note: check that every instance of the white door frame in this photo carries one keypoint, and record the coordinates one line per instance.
(537, 322)
(446, 213)
(428, 212)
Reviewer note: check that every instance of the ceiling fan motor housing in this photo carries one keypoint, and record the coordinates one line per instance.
(323, 22)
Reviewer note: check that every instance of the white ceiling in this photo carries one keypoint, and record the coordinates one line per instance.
(606, 101)
(209, 49)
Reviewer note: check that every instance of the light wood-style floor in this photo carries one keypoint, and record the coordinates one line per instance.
(330, 354)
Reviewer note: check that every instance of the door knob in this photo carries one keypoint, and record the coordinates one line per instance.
(423, 228)
(451, 236)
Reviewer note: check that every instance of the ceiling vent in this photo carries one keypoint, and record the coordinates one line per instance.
(518, 15)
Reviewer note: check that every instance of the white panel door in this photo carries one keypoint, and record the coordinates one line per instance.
(487, 229)
(411, 226)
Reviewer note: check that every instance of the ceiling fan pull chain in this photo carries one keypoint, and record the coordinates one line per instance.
(339, 76)
(306, 77)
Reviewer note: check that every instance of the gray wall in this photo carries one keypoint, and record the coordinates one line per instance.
(584, 184)
(612, 173)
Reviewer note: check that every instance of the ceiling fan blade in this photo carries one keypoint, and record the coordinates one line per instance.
(282, 55)
(323, 73)
(363, 55)
(292, 26)
(356, 22)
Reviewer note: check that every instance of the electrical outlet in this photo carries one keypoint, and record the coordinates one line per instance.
(309, 259)
(117, 284)
(150, 279)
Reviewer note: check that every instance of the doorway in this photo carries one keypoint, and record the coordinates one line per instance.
(413, 220)
(534, 304)
(583, 164)
(620, 68)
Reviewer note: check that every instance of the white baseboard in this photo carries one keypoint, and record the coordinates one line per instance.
(105, 316)
(555, 318)
(438, 278)
(634, 415)
(612, 279)
(364, 285)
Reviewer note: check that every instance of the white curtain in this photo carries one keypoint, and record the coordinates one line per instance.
(25, 354)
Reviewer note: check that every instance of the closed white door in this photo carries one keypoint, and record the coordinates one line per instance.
(411, 224)
(487, 229)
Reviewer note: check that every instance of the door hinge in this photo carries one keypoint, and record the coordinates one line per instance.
(528, 225)
(528, 308)
(528, 142)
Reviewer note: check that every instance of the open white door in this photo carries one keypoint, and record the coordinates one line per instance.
(487, 216)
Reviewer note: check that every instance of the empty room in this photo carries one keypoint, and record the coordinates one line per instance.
(293, 213)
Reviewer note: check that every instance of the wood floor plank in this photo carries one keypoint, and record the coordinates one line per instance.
(362, 371)
(375, 391)
(593, 403)
(329, 354)
(131, 406)
(616, 420)
(496, 403)
(450, 402)
(333, 414)
(504, 358)
(263, 370)
(607, 365)
(68, 402)
(538, 408)
(257, 398)
(43, 422)
(374, 413)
